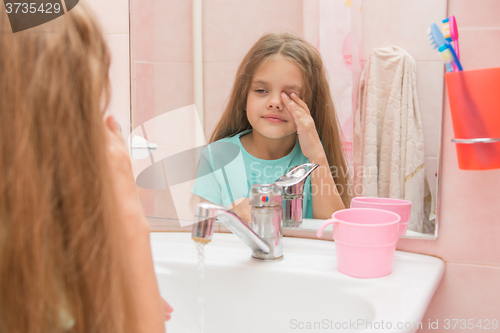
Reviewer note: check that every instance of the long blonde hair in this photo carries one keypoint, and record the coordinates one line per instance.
(317, 97)
(59, 257)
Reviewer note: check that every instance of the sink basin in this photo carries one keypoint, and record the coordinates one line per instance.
(302, 292)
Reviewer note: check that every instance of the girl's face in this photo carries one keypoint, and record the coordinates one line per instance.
(265, 110)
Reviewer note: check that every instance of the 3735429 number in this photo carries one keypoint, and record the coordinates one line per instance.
(25, 8)
(470, 324)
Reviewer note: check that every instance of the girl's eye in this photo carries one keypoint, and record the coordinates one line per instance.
(260, 91)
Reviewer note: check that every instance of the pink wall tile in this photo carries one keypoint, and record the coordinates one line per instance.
(142, 30)
(147, 200)
(310, 19)
(173, 86)
(370, 27)
(164, 204)
(476, 14)
(218, 82)
(479, 48)
(466, 292)
(144, 93)
(173, 31)
(113, 15)
(120, 80)
(229, 29)
(402, 23)
(430, 93)
(281, 16)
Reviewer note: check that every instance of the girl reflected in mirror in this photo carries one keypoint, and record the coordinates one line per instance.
(280, 114)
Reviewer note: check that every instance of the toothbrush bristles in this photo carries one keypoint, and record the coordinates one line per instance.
(431, 39)
(447, 56)
(445, 29)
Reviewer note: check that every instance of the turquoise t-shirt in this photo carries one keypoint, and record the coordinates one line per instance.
(227, 172)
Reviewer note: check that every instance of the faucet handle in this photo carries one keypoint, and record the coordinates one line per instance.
(265, 195)
(292, 182)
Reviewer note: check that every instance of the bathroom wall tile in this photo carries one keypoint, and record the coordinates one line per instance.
(370, 26)
(229, 29)
(469, 202)
(166, 225)
(466, 292)
(147, 200)
(396, 28)
(173, 86)
(310, 19)
(143, 93)
(113, 15)
(164, 205)
(281, 16)
(479, 47)
(142, 29)
(120, 80)
(218, 81)
(430, 96)
(475, 14)
(173, 31)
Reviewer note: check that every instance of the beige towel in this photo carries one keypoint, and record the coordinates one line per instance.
(388, 138)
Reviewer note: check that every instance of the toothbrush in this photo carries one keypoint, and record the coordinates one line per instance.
(437, 40)
(450, 32)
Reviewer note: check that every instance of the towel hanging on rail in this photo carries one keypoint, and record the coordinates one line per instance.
(388, 137)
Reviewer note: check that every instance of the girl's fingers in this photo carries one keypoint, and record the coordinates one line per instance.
(295, 109)
(300, 102)
(291, 105)
(295, 103)
(167, 309)
(112, 125)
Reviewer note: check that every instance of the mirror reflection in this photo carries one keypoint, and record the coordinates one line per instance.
(167, 79)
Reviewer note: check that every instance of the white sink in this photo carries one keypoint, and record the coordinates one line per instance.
(304, 292)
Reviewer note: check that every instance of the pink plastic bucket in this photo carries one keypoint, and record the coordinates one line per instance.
(398, 206)
(365, 240)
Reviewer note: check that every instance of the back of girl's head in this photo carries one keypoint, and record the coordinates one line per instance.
(56, 246)
(316, 94)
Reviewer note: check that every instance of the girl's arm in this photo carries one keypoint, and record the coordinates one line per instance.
(146, 303)
(326, 198)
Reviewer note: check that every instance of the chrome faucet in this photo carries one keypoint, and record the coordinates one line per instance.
(264, 234)
(292, 187)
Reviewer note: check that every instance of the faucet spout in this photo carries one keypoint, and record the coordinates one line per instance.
(292, 186)
(207, 213)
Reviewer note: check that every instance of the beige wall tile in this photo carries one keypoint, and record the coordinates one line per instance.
(173, 31)
(430, 99)
(475, 14)
(173, 86)
(466, 292)
(119, 75)
(113, 15)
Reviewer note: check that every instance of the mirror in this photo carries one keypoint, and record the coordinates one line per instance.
(168, 80)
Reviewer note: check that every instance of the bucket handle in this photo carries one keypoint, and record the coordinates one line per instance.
(322, 227)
